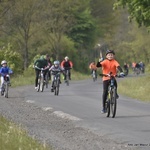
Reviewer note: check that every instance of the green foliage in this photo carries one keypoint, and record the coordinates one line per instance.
(13, 58)
(138, 9)
(83, 31)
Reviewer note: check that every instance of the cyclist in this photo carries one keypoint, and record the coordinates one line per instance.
(55, 69)
(49, 64)
(4, 70)
(41, 63)
(108, 65)
(92, 66)
(67, 64)
(126, 68)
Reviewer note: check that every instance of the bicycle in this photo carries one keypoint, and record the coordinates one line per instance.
(67, 75)
(41, 84)
(47, 79)
(5, 86)
(56, 83)
(94, 75)
(111, 102)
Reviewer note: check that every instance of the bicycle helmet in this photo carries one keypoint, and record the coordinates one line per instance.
(3, 62)
(56, 62)
(66, 58)
(110, 51)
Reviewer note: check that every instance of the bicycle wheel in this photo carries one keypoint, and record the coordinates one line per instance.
(2, 90)
(67, 78)
(46, 80)
(57, 88)
(113, 102)
(38, 86)
(42, 85)
(6, 90)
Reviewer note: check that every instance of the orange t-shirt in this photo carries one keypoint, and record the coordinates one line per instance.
(93, 66)
(109, 66)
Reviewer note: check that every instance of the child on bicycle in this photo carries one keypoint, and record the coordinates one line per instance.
(54, 70)
(4, 70)
(108, 65)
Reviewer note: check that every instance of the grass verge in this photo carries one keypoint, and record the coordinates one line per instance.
(135, 87)
(13, 137)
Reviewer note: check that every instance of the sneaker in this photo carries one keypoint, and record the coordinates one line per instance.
(103, 111)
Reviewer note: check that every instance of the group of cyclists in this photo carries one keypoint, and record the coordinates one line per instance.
(138, 67)
(52, 68)
(109, 64)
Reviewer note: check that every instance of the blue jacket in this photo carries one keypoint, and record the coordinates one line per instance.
(5, 70)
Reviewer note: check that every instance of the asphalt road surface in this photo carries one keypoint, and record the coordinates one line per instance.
(80, 124)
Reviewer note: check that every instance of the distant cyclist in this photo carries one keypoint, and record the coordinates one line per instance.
(4, 70)
(108, 65)
(67, 64)
(40, 63)
(54, 69)
(92, 67)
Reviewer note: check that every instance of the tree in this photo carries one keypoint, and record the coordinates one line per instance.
(18, 21)
(138, 10)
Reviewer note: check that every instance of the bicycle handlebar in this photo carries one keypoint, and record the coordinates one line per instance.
(111, 75)
(42, 69)
(67, 68)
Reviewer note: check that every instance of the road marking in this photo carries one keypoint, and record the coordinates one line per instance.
(30, 101)
(47, 108)
(66, 116)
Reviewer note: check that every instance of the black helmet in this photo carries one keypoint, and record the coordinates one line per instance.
(110, 51)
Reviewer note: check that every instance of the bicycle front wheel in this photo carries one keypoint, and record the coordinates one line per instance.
(57, 88)
(6, 90)
(38, 87)
(42, 85)
(113, 102)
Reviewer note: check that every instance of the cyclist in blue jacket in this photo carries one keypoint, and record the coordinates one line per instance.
(4, 70)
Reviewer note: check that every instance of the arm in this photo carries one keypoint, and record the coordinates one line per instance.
(98, 64)
(71, 64)
(120, 69)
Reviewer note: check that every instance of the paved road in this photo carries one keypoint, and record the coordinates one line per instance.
(82, 101)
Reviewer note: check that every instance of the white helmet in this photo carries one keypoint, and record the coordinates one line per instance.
(66, 58)
(3, 62)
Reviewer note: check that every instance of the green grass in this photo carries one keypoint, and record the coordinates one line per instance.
(12, 137)
(28, 78)
(135, 87)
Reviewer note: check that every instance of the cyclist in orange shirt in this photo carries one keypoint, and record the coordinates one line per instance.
(108, 65)
(92, 66)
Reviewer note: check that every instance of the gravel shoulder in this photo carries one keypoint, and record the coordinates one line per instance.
(45, 126)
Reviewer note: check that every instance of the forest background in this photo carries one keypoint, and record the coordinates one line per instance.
(78, 29)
